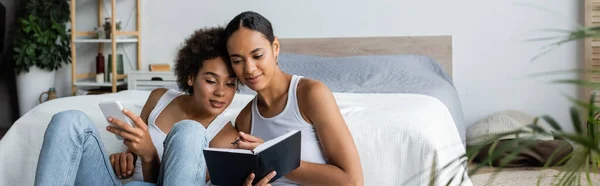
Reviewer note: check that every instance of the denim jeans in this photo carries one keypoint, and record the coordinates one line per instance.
(73, 154)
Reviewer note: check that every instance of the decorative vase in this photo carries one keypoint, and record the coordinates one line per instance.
(30, 85)
(108, 67)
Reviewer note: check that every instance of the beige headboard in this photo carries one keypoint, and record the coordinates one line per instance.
(436, 47)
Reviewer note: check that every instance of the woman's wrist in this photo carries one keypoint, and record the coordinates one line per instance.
(150, 158)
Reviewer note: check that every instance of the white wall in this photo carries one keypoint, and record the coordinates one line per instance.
(492, 61)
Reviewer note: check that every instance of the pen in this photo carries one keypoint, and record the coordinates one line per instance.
(236, 141)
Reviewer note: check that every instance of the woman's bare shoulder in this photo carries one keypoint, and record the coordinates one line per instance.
(310, 89)
(151, 102)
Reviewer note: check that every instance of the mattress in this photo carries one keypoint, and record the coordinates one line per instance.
(398, 136)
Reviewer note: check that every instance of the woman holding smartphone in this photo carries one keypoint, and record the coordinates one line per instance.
(185, 123)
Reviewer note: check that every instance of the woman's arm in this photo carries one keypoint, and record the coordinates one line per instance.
(243, 119)
(319, 106)
(150, 168)
(224, 138)
(121, 166)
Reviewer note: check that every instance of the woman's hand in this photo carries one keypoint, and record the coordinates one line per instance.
(248, 141)
(136, 138)
(123, 164)
(262, 182)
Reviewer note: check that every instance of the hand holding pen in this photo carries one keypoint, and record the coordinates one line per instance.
(247, 141)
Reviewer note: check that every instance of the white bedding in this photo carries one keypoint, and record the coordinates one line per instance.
(396, 135)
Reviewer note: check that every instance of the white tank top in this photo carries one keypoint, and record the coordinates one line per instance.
(158, 136)
(289, 119)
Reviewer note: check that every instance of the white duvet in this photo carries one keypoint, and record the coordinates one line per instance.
(397, 135)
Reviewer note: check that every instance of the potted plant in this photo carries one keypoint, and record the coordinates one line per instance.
(41, 46)
(583, 163)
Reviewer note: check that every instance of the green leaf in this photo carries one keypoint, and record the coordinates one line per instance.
(570, 71)
(584, 141)
(572, 167)
(552, 122)
(27, 29)
(544, 38)
(579, 82)
(25, 22)
(30, 51)
(592, 123)
(27, 61)
(575, 117)
(41, 40)
(591, 106)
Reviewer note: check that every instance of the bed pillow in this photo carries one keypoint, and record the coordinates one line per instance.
(503, 122)
(365, 74)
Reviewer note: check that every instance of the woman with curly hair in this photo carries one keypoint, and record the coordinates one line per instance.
(165, 146)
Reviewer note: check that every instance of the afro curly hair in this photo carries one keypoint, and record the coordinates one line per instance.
(204, 44)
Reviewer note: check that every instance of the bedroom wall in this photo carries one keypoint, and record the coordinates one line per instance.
(492, 60)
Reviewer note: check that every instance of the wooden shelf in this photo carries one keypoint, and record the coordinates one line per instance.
(118, 40)
(119, 33)
(93, 83)
(88, 37)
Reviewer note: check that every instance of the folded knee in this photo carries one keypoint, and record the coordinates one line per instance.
(69, 119)
(188, 127)
(187, 130)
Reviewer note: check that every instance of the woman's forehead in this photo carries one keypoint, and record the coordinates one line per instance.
(244, 38)
(217, 66)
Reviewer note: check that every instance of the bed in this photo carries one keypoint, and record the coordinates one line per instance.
(395, 94)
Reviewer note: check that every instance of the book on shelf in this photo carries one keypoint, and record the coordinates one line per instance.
(160, 68)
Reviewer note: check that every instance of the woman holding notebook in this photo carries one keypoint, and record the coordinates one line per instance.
(73, 153)
(286, 102)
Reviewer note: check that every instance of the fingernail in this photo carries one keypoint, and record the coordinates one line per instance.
(109, 119)
(125, 110)
(128, 172)
(273, 173)
(242, 133)
(107, 128)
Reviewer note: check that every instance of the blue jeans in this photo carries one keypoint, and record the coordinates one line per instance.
(73, 154)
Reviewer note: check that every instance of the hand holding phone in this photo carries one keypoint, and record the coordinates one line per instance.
(114, 109)
(135, 136)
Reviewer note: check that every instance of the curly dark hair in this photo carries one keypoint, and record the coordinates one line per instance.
(204, 44)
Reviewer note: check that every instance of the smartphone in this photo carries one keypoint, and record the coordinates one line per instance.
(114, 109)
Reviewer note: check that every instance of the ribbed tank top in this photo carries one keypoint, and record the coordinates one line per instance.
(289, 119)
